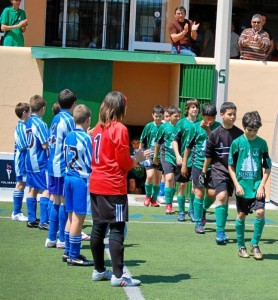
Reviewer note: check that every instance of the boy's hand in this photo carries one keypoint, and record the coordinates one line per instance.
(184, 170)
(206, 126)
(260, 193)
(155, 161)
(203, 179)
(239, 190)
(179, 160)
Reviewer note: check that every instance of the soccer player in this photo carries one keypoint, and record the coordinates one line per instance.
(196, 142)
(61, 125)
(191, 113)
(22, 110)
(36, 164)
(153, 172)
(248, 157)
(163, 140)
(78, 159)
(217, 152)
(108, 188)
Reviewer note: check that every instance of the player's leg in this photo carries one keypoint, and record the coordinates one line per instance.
(31, 202)
(17, 214)
(156, 185)
(149, 184)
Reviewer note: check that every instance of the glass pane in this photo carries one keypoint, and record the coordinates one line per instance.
(150, 20)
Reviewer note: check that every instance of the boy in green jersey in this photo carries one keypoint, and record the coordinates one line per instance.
(163, 140)
(191, 113)
(153, 172)
(248, 157)
(196, 142)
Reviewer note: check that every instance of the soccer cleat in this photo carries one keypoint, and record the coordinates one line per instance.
(169, 209)
(66, 256)
(60, 245)
(221, 238)
(225, 237)
(79, 261)
(33, 224)
(242, 252)
(43, 226)
(255, 250)
(181, 217)
(154, 203)
(50, 244)
(199, 229)
(204, 219)
(191, 215)
(124, 281)
(19, 217)
(147, 201)
(85, 237)
(100, 276)
(161, 199)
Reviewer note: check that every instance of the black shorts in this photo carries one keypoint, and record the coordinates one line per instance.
(221, 185)
(139, 182)
(195, 179)
(109, 208)
(168, 168)
(157, 167)
(247, 206)
(179, 177)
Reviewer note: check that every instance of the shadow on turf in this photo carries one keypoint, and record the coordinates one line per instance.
(150, 279)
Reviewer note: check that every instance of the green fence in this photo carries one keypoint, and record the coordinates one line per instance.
(197, 82)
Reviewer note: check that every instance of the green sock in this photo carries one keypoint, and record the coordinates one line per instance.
(198, 211)
(226, 207)
(155, 191)
(191, 202)
(181, 203)
(220, 216)
(149, 189)
(173, 193)
(168, 195)
(208, 202)
(258, 229)
(240, 228)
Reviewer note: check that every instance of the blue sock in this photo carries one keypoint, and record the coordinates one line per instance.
(63, 217)
(54, 222)
(31, 208)
(49, 206)
(43, 210)
(75, 244)
(18, 198)
(161, 190)
(67, 242)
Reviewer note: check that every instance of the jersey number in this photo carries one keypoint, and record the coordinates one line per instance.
(97, 140)
(74, 157)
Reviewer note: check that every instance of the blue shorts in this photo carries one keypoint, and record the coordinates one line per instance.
(56, 185)
(37, 180)
(21, 178)
(76, 191)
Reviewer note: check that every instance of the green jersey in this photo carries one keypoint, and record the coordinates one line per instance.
(248, 158)
(148, 135)
(183, 127)
(12, 17)
(164, 137)
(196, 142)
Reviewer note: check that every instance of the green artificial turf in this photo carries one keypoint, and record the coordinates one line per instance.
(171, 260)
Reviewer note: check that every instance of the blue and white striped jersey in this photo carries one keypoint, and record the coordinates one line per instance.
(20, 148)
(62, 124)
(78, 153)
(36, 132)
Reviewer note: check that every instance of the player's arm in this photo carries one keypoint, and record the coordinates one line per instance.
(206, 164)
(238, 187)
(261, 189)
(175, 146)
(155, 155)
(184, 169)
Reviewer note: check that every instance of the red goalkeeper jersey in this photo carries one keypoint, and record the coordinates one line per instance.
(111, 160)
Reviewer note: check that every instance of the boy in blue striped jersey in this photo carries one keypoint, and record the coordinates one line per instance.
(61, 125)
(78, 159)
(22, 110)
(36, 163)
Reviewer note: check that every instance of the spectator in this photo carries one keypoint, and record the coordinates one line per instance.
(254, 42)
(182, 31)
(13, 23)
(234, 48)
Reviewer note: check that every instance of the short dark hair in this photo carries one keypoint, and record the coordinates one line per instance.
(81, 113)
(252, 119)
(189, 103)
(66, 99)
(56, 108)
(158, 109)
(181, 8)
(209, 110)
(173, 110)
(20, 108)
(227, 105)
(37, 103)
